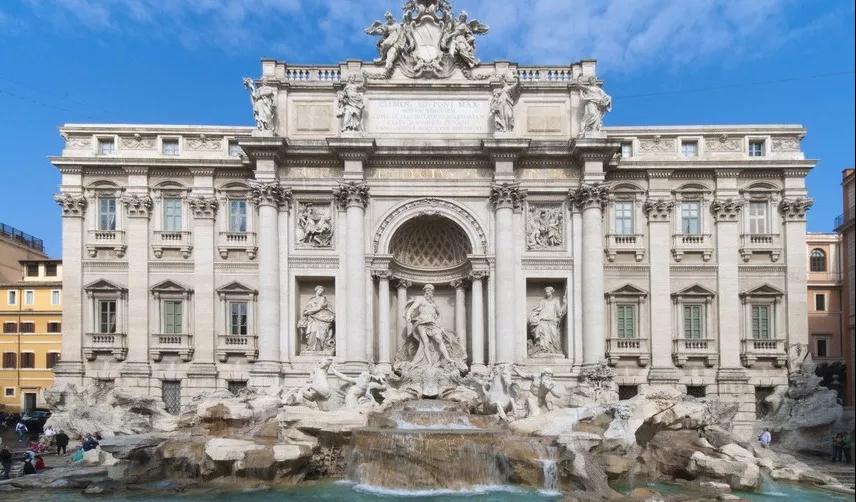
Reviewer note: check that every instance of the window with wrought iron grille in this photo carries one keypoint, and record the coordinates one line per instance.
(171, 393)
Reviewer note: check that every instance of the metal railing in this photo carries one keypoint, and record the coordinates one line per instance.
(22, 238)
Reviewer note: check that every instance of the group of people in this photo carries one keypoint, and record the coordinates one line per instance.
(33, 461)
(842, 443)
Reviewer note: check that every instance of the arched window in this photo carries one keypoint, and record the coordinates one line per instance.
(817, 261)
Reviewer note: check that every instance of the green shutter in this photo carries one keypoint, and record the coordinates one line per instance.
(626, 321)
(172, 317)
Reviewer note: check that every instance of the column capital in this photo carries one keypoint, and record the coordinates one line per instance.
(478, 275)
(726, 210)
(73, 205)
(382, 274)
(137, 205)
(351, 194)
(402, 283)
(658, 209)
(589, 195)
(507, 195)
(795, 209)
(203, 207)
(269, 193)
(457, 284)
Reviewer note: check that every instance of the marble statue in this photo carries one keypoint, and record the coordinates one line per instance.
(502, 104)
(316, 325)
(317, 389)
(545, 228)
(417, 8)
(358, 390)
(350, 105)
(314, 228)
(394, 40)
(427, 343)
(264, 105)
(460, 40)
(545, 322)
(596, 104)
(496, 391)
(543, 391)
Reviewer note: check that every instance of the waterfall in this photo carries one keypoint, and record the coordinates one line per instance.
(551, 475)
(770, 487)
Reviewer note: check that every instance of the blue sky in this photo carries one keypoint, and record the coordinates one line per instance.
(181, 62)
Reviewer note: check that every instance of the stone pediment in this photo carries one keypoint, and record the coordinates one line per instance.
(103, 285)
(765, 290)
(169, 286)
(696, 290)
(627, 290)
(236, 288)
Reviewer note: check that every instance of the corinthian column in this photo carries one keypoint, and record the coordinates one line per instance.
(726, 213)
(505, 198)
(268, 197)
(138, 205)
(383, 318)
(204, 211)
(590, 199)
(354, 197)
(460, 311)
(659, 212)
(793, 210)
(477, 320)
(70, 367)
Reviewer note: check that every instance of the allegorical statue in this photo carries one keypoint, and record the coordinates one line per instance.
(596, 103)
(502, 105)
(545, 322)
(350, 105)
(359, 390)
(543, 391)
(427, 344)
(460, 40)
(316, 324)
(545, 228)
(264, 105)
(394, 39)
(314, 228)
(317, 389)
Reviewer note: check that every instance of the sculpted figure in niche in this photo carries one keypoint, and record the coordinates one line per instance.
(264, 105)
(317, 389)
(460, 40)
(543, 391)
(316, 324)
(502, 105)
(597, 103)
(394, 40)
(545, 228)
(545, 322)
(359, 389)
(427, 343)
(350, 105)
(314, 228)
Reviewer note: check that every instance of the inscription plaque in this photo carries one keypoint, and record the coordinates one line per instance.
(428, 116)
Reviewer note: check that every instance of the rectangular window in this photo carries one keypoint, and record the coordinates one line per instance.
(626, 392)
(53, 358)
(756, 148)
(10, 360)
(689, 148)
(169, 146)
(234, 149)
(28, 360)
(820, 302)
(54, 327)
(9, 391)
(760, 322)
(29, 297)
(625, 320)
(172, 214)
(50, 269)
(55, 297)
(698, 391)
(107, 316)
(12, 297)
(106, 213)
(691, 218)
(626, 150)
(28, 327)
(238, 318)
(236, 386)
(693, 321)
(171, 394)
(10, 327)
(106, 146)
(822, 347)
(624, 218)
(172, 316)
(758, 218)
(237, 215)
(32, 269)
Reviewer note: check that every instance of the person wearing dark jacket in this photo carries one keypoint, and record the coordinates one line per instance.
(61, 442)
(6, 462)
(29, 468)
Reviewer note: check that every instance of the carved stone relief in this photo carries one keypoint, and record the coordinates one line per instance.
(203, 143)
(137, 142)
(785, 144)
(544, 227)
(314, 225)
(723, 144)
(657, 145)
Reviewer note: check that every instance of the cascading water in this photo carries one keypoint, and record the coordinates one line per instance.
(551, 475)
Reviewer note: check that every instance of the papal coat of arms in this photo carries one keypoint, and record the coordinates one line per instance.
(429, 41)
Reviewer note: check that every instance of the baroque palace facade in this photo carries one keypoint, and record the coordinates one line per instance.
(201, 257)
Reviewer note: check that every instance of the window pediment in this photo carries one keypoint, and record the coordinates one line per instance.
(628, 290)
(104, 286)
(694, 291)
(236, 289)
(172, 287)
(763, 291)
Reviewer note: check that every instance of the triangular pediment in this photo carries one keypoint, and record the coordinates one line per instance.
(169, 286)
(236, 287)
(627, 290)
(763, 290)
(103, 285)
(695, 290)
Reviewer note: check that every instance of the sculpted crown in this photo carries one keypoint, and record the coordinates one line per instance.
(269, 194)
(795, 209)
(72, 205)
(507, 195)
(589, 195)
(351, 193)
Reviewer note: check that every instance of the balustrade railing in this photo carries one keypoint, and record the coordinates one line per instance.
(245, 345)
(313, 74)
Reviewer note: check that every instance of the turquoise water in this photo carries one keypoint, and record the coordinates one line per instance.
(770, 491)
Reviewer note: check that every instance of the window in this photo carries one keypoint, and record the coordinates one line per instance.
(28, 327)
(820, 302)
(55, 297)
(689, 148)
(29, 297)
(54, 327)
(106, 213)
(758, 218)
(625, 321)
(107, 316)
(237, 215)
(756, 148)
(817, 260)
(171, 394)
(236, 386)
(172, 214)
(626, 149)
(691, 218)
(32, 269)
(821, 346)
(238, 318)
(626, 392)
(760, 322)
(234, 149)
(696, 391)
(9, 391)
(762, 408)
(28, 360)
(53, 358)
(169, 146)
(106, 146)
(624, 218)
(12, 297)
(172, 316)
(10, 327)
(693, 321)
(50, 270)
(10, 360)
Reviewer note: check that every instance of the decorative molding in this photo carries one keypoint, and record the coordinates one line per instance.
(727, 210)
(269, 194)
(507, 195)
(795, 209)
(785, 144)
(723, 143)
(104, 266)
(78, 142)
(545, 227)
(313, 262)
(236, 267)
(203, 143)
(203, 206)
(658, 145)
(591, 195)
(73, 205)
(137, 205)
(536, 263)
(351, 194)
(658, 209)
(171, 267)
(138, 142)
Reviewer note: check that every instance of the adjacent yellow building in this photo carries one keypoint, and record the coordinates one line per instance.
(30, 333)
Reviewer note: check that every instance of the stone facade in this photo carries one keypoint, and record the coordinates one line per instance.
(678, 257)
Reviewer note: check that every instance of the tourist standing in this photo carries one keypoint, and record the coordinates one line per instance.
(6, 461)
(765, 438)
(61, 442)
(846, 445)
(836, 447)
(21, 430)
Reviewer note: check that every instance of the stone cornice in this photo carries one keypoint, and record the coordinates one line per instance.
(73, 205)
(121, 162)
(727, 210)
(136, 170)
(507, 195)
(660, 173)
(263, 147)
(727, 173)
(359, 149)
(795, 209)
(658, 209)
(594, 149)
(593, 195)
(351, 194)
(70, 169)
(269, 194)
(505, 149)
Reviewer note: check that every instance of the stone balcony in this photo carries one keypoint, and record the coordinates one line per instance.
(237, 345)
(237, 241)
(165, 239)
(625, 243)
(761, 244)
(171, 343)
(106, 240)
(692, 243)
(754, 349)
(115, 344)
(628, 348)
(684, 349)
